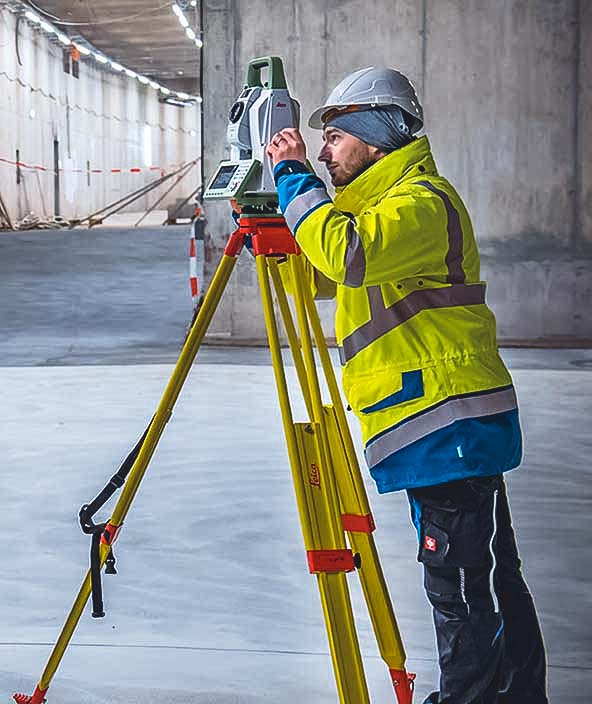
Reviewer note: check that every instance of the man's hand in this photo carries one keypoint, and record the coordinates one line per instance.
(287, 144)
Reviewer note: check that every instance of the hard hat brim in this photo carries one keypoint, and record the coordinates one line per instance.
(315, 120)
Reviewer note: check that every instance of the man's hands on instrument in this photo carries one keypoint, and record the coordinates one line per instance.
(287, 144)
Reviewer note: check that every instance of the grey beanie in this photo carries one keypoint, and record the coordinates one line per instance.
(382, 127)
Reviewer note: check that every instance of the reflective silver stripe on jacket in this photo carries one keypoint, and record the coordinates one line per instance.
(355, 258)
(383, 320)
(454, 256)
(445, 413)
(303, 204)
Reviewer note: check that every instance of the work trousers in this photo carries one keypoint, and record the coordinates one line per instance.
(489, 641)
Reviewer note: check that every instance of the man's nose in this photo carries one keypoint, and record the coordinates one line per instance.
(324, 154)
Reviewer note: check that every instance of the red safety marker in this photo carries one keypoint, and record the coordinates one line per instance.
(193, 281)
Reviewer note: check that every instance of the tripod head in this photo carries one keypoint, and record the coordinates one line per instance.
(263, 108)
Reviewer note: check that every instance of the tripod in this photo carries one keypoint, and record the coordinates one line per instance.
(330, 494)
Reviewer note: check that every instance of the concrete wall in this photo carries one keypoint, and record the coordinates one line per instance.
(101, 119)
(507, 92)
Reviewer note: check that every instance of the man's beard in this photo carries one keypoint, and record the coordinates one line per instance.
(358, 162)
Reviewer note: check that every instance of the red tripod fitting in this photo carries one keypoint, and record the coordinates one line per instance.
(270, 236)
(38, 697)
(403, 682)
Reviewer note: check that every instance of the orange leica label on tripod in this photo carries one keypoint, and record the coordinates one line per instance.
(314, 476)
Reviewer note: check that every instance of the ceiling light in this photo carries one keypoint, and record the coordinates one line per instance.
(130, 73)
(175, 101)
(85, 51)
(190, 33)
(143, 80)
(193, 3)
(164, 90)
(183, 96)
(183, 20)
(177, 10)
(46, 26)
(32, 17)
(198, 43)
(116, 67)
(154, 84)
(64, 39)
(101, 59)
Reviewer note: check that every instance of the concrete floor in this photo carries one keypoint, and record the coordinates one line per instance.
(213, 603)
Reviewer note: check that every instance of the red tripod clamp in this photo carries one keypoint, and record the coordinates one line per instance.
(270, 236)
(38, 697)
(403, 683)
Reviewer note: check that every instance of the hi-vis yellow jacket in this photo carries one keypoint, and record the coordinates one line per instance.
(417, 341)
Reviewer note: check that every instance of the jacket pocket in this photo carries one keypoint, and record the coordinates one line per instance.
(410, 388)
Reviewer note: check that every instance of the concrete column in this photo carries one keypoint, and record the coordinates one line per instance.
(584, 146)
(500, 100)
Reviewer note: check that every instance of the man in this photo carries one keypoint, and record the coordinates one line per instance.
(421, 371)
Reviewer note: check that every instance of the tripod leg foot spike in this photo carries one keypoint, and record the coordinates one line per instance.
(403, 682)
(38, 697)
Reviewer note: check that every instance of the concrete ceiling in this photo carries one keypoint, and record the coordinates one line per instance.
(144, 35)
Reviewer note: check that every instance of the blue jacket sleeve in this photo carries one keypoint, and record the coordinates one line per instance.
(293, 179)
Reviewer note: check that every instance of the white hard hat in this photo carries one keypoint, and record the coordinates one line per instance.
(372, 87)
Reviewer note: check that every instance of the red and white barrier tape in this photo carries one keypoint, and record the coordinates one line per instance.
(130, 170)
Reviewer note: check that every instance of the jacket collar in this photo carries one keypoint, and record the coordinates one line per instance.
(413, 161)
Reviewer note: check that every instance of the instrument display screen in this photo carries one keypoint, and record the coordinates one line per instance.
(222, 179)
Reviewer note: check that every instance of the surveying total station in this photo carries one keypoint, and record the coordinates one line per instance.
(335, 515)
(261, 110)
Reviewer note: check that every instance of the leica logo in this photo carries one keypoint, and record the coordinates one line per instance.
(314, 476)
(281, 105)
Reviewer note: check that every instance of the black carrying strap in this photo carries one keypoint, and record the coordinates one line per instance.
(89, 527)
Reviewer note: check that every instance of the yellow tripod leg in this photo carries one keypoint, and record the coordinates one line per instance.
(318, 508)
(357, 515)
(163, 413)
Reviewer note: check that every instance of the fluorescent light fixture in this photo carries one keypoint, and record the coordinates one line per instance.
(175, 101)
(177, 10)
(32, 17)
(190, 33)
(154, 84)
(198, 43)
(143, 80)
(164, 90)
(64, 39)
(101, 59)
(183, 96)
(130, 73)
(183, 20)
(47, 27)
(85, 51)
(116, 67)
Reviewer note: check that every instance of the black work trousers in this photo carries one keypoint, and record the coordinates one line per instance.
(489, 641)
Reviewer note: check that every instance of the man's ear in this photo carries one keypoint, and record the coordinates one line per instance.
(376, 153)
